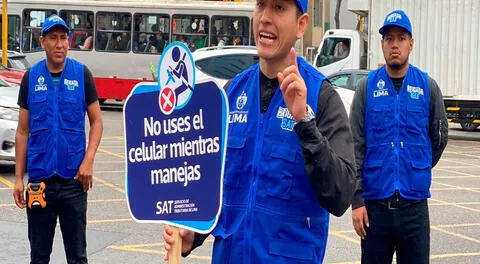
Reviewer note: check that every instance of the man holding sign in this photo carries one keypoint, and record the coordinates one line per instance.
(288, 166)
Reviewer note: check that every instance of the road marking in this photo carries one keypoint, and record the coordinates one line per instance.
(111, 153)
(457, 225)
(109, 161)
(452, 255)
(116, 188)
(462, 203)
(436, 226)
(344, 237)
(464, 147)
(455, 205)
(455, 234)
(112, 137)
(110, 221)
(459, 153)
(457, 177)
(464, 163)
(106, 201)
(113, 171)
(457, 187)
(6, 182)
(156, 252)
(89, 201)
(449, 167)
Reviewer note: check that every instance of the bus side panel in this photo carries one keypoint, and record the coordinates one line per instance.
(114, 88)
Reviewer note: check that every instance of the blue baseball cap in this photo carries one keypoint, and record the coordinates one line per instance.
(396, 18)
(303, 5)
(51, 22)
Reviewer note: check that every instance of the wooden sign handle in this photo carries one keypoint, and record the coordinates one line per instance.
(175, 254)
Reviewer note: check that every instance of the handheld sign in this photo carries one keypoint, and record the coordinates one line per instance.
(175, 143)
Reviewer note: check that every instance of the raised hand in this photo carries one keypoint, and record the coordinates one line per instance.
(293, 88)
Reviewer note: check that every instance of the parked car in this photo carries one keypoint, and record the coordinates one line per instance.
(8, 119)
(345, 83)
(16, 67)
(222, 64)
(17, 60)
(11, 75)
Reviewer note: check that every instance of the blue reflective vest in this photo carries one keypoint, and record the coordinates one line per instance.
(398, 148)
(270, 213)
(56, 143)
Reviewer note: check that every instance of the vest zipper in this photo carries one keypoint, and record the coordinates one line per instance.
(55, 124)
(397, 134)
(253, 191)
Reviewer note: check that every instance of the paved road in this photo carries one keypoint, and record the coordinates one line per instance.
(114, 238)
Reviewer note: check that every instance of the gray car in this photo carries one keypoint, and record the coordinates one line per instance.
(8, 119)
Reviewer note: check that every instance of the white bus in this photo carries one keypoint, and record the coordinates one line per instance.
(119, 40)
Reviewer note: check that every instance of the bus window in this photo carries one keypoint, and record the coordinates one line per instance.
(113, 32)
(13, 32)
(81, 26)
(150, 33)
(32, 25)
(230, 30)
(192, 30)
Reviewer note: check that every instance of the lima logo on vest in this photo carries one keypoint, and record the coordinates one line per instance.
(242, 100)
(41, 86)
(239, 116)
(382, 91)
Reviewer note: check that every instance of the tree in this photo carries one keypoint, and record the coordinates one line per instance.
(337, 14)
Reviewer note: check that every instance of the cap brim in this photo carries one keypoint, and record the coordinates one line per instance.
(45, 31)
(384, 29)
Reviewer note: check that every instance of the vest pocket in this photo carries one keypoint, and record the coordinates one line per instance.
(234, 160)
(36, 157)
(76, 151)
(71, 113)
(416, 119)
(38, 113)
(279, 169)
(372, 173)
(380, 122)
(293, 252)
(421, 176)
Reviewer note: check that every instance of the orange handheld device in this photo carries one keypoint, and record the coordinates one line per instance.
(36, 195)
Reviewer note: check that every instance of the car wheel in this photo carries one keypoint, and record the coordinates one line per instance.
(467, 126)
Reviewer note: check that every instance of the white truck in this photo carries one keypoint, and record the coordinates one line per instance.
(447, 47)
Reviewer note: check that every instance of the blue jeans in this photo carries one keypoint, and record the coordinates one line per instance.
(397, 225)
(66, 201)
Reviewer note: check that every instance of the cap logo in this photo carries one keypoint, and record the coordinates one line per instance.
(394, 17)
(54, 18)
